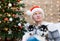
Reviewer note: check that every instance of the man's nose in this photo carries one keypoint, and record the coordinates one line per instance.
(38, 15)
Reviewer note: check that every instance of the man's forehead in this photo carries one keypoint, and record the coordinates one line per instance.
(37, 12)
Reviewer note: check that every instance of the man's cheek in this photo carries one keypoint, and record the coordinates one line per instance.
(35, 16)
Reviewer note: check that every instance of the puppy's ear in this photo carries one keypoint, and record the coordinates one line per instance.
(30, 28)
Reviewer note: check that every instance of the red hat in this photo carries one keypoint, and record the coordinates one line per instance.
(34, 9)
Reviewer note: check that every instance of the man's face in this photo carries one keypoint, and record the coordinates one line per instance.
(37, 16)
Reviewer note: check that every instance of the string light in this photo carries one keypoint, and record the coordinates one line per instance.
(51, 6)
(51, 14)
(38, 2)
(33, 1)
(51, 17)
(58, 2)
(25, 17)
(45, 10)
(57, 5)
(58, 19)
(46, 2)
(51, 2)
(50, 9)
(58, 9)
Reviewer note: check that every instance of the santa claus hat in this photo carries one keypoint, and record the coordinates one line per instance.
(34, 9)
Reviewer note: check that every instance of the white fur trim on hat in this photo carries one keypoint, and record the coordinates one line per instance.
(38, 9)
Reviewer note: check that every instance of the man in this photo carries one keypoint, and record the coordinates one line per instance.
(41, 31)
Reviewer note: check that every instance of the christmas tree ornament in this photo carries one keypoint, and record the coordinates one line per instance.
(7, 39)
(6, 29)
(0, 14)
(10, 31)
(19, 24)
(0, 38)
(10, 5)
(3, 10)
(13, 15)
(18, 9)
(6, 19)
(17, 15)
(10, 19)
(14, 4)
(20, 27)
(0, 21)
(0, 6)
(15, 26)
(2, 0)
(18, 0)
(21, 2)
(8, 22)
(17, 21)
(21, 18)
(5, 3)
(9, 15)
(21, 8)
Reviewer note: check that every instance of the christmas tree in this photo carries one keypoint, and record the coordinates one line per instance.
(11, 19)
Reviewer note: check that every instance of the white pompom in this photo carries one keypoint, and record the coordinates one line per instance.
(28, 12)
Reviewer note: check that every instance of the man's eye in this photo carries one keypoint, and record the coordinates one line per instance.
(34, 13)
(39, 13)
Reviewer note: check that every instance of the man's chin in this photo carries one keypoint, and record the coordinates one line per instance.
(39, 20)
